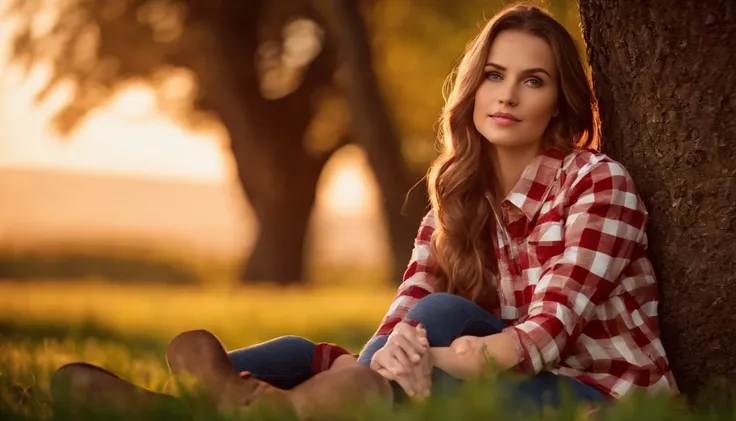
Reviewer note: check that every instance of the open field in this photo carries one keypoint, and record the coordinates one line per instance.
(126, 327)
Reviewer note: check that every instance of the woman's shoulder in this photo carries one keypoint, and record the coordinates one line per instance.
(582, 162)
(429, 218)
(427, 226)
(594, 176)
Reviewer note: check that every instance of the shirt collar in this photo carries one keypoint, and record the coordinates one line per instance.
(530, 191)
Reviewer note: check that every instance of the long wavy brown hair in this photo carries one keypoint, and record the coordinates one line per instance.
(462, 176)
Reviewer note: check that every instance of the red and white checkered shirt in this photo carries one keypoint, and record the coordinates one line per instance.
(575, 283)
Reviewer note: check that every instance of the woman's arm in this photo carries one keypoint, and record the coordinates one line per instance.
(467, 356)
(447, 360)
(604, 230)
(418, 279)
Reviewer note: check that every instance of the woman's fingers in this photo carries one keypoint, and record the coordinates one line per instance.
(384, 359)
(416, 387)
(422, 335)
(423, 382)
(405, 360)
(392, 357)
(403, 350)
(406, 385)
(411, 346)
(400, 362)
(385, 373)
(406, 381)
(414, 336)
(376, 360)
(417, 344)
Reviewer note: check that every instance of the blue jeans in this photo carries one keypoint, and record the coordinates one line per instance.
(447, 317)
(287, 361)
(283, 362)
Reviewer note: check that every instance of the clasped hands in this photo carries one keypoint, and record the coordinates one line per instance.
(407, 359)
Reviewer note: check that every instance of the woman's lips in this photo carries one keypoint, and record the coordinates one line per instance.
(504, 121)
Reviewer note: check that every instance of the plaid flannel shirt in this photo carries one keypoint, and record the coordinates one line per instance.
(575, 283)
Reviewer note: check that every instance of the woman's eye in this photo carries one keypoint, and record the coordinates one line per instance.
(493, 76)
(535, 82)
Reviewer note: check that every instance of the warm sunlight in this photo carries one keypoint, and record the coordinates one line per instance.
(137, 101)
(129, 136)
(348, 185)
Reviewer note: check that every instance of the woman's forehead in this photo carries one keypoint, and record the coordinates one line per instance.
(517, 51)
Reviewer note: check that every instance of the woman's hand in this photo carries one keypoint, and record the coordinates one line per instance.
(406, 345)
(411, 369)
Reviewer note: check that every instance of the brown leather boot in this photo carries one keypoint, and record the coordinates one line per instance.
(83, 384)
(197, 358)
(336, 391)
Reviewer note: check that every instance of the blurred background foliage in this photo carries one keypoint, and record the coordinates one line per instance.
(286, 86)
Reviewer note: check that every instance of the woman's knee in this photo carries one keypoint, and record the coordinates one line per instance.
(366, 355)
(444, 316)
(294, 343)
(282, 355)
(438, 306)
(289, 347)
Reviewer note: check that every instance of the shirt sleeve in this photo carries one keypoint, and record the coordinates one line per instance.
(605, 229)
(418, 280)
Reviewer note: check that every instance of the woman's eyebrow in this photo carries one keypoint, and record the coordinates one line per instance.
(525, 72)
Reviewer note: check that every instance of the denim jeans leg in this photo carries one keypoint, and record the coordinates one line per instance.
(283, 362)
(370, 348)
(366, 355)
(546, 389)
(447, 317)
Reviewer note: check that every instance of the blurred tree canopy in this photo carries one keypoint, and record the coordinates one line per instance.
(291, 81)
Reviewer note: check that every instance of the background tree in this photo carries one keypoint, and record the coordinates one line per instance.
(664, 78)
(264, 69)
(291, 81)
(239, 63)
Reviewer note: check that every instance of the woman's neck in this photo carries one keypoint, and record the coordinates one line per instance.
(509, 164)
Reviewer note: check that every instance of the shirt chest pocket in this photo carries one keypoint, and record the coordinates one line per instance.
(546, 240)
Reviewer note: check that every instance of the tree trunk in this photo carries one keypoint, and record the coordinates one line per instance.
(283, 218)
(373, 129)
(663, 73)
(278, 174)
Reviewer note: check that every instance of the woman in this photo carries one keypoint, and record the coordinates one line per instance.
(533, 255)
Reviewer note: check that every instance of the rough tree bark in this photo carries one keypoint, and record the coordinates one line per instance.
(664, 76)
(373, 129)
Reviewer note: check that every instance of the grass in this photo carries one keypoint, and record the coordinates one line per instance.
(125, 328)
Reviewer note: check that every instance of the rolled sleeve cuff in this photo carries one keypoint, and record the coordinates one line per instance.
(529, 357)
(411, 322)
(325, 354)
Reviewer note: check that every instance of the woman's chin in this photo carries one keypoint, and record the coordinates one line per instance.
(503, 140)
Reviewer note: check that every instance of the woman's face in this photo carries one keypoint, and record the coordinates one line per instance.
(518, 96)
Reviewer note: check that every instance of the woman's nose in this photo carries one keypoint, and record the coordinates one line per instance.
(507, 95)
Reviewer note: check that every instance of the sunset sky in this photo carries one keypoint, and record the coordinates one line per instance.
(129, 136)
